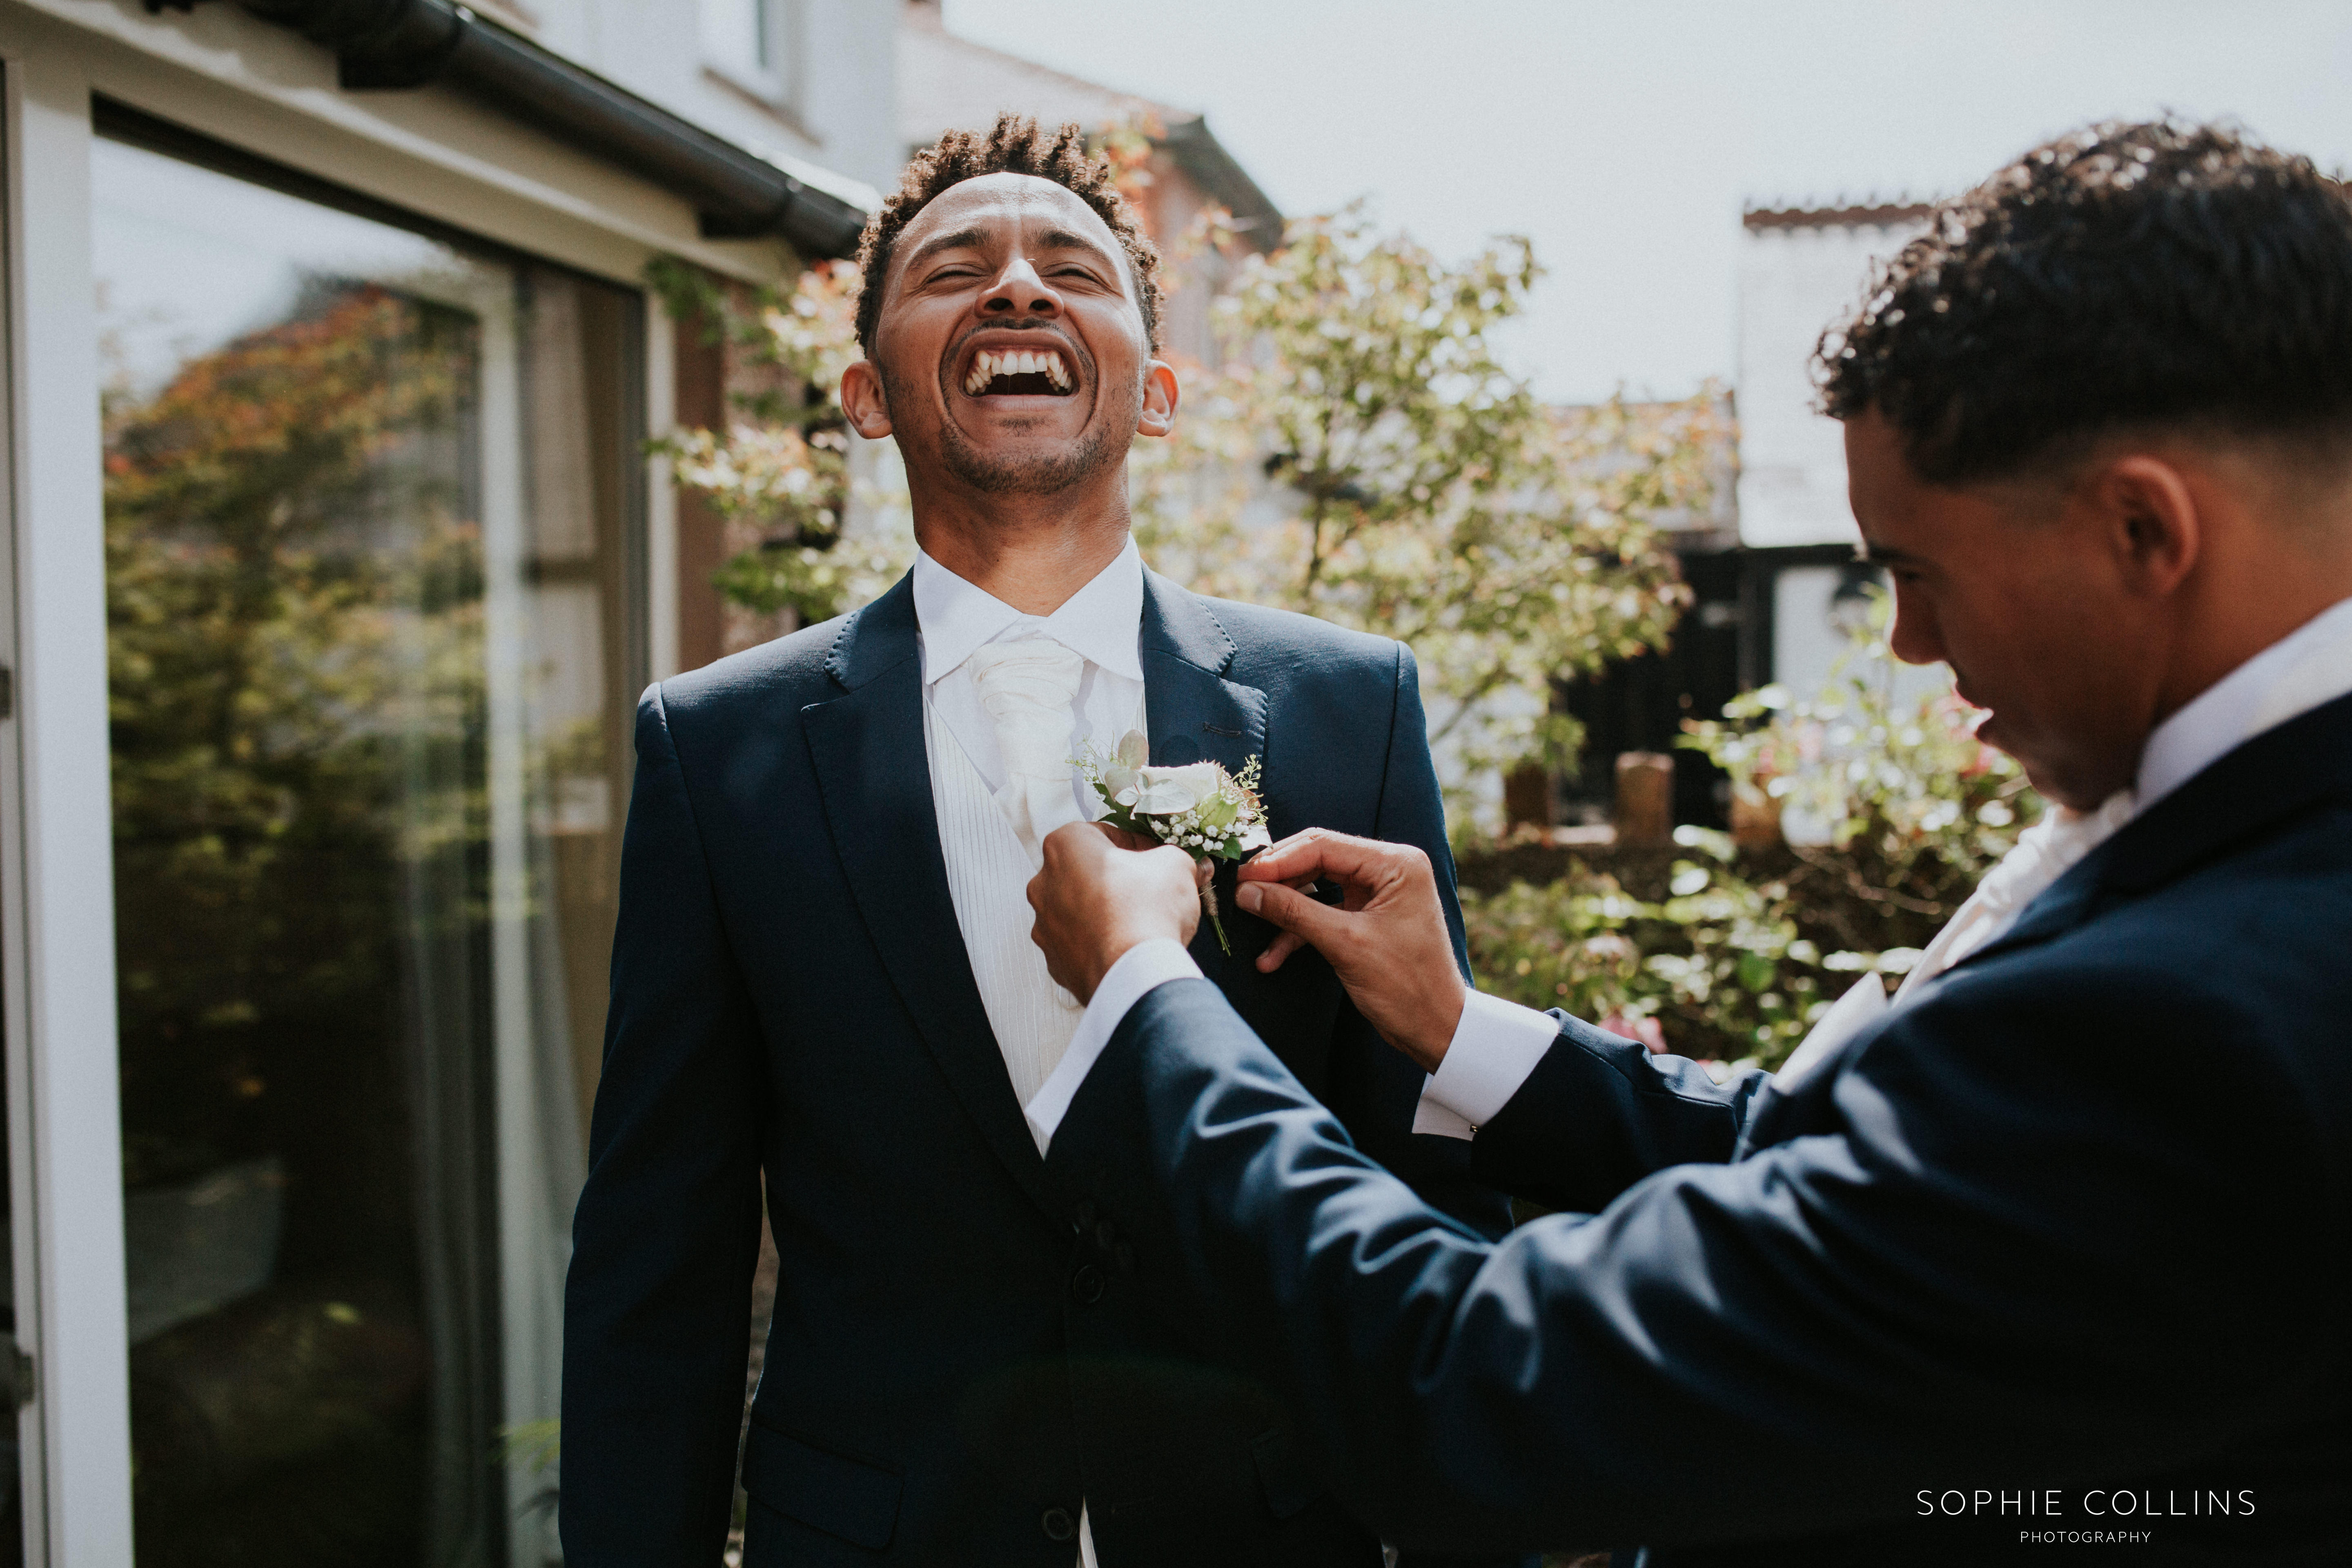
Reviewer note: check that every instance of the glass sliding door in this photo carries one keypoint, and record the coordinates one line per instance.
(370, 514)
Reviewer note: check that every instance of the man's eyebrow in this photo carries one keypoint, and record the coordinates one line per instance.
(1067, 240)
(962, 239)
(1883, 554)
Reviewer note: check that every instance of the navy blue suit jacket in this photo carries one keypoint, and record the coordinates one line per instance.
(944, 1382)
(2075, 1218)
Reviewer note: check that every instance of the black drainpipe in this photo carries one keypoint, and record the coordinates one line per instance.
(392, 44)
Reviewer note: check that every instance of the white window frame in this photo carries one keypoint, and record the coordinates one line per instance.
(430, 153)
(65, 1115)
(773, 82)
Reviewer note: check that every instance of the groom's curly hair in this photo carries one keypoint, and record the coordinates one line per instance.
(2163, 276)
(1014, 145)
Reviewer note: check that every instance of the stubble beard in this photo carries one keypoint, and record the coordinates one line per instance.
(1042, 475)
(1037, 476)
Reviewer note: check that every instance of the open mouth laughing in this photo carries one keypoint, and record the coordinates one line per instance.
(1019, 373)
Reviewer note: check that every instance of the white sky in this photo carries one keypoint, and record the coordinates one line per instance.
(1624, 138)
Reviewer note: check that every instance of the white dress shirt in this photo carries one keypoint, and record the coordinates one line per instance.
(1102, 622)
(1497, 1044)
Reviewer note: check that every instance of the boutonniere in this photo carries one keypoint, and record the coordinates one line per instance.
(1206, 812)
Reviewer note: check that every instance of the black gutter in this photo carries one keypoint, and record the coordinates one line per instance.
(383, 45)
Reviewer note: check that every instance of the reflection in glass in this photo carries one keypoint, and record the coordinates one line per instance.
(370, 659)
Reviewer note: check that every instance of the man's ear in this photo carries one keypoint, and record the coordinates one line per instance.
(1159, 415)
(862, 402)
(2152, 522)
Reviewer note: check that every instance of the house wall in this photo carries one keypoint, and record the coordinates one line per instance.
(1793, 281)
(1796, 274)
(836, 109)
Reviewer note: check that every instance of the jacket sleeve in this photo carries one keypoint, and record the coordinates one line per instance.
(1599, 1113)
(2046, 1251)
(1377, 1088)
(657, 1307)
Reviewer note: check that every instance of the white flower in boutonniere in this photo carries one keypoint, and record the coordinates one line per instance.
(1200, 808)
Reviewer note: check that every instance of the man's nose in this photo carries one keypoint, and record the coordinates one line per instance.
(1019, 292)
(1913, 637)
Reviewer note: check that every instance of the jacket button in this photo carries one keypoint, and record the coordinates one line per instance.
(1087, 1285)
(1059, 1524)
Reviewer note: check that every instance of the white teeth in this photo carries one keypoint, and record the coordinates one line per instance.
(987, 366)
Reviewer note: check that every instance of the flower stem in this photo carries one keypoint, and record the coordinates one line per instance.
(1209, 908)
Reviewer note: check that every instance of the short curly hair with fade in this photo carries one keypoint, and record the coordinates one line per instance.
(2125, 278)
(1014, 145)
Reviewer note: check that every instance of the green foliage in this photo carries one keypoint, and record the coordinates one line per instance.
(1742, 952)
(1717, 964)
(1423, 492)
(687, 293)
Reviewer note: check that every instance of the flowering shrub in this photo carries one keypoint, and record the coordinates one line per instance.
(782, 463)
(1914, 793)
(1716, 969)
(1735, 955)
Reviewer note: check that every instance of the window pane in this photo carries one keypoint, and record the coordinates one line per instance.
(366, 503)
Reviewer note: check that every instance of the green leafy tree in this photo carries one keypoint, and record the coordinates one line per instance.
(1421, 489)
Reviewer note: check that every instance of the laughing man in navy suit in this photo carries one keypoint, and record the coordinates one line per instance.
(2046, 1260)
(823, 975)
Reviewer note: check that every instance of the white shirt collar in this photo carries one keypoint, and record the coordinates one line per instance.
(2309, 666)
(1099, 622)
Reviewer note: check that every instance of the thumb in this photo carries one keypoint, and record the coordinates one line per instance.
(1322, 926)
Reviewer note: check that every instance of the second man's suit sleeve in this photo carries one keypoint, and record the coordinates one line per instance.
(2033, 1243)
(1598, 1112)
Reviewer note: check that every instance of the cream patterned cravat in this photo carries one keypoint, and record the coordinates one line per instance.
(1027, 687)
(2043, 853)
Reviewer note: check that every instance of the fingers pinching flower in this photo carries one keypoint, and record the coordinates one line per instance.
(1200, 808)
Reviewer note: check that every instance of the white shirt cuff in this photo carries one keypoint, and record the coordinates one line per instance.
(1496, 1046)
(1141, 968)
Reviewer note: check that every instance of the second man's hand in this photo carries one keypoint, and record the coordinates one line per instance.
(1387, 941)
(1101, 892)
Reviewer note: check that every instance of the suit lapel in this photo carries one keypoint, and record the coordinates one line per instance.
(1193, 712)
(1196, 713)
(873, 773)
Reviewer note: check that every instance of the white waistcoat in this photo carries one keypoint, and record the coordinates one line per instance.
(988, 878)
